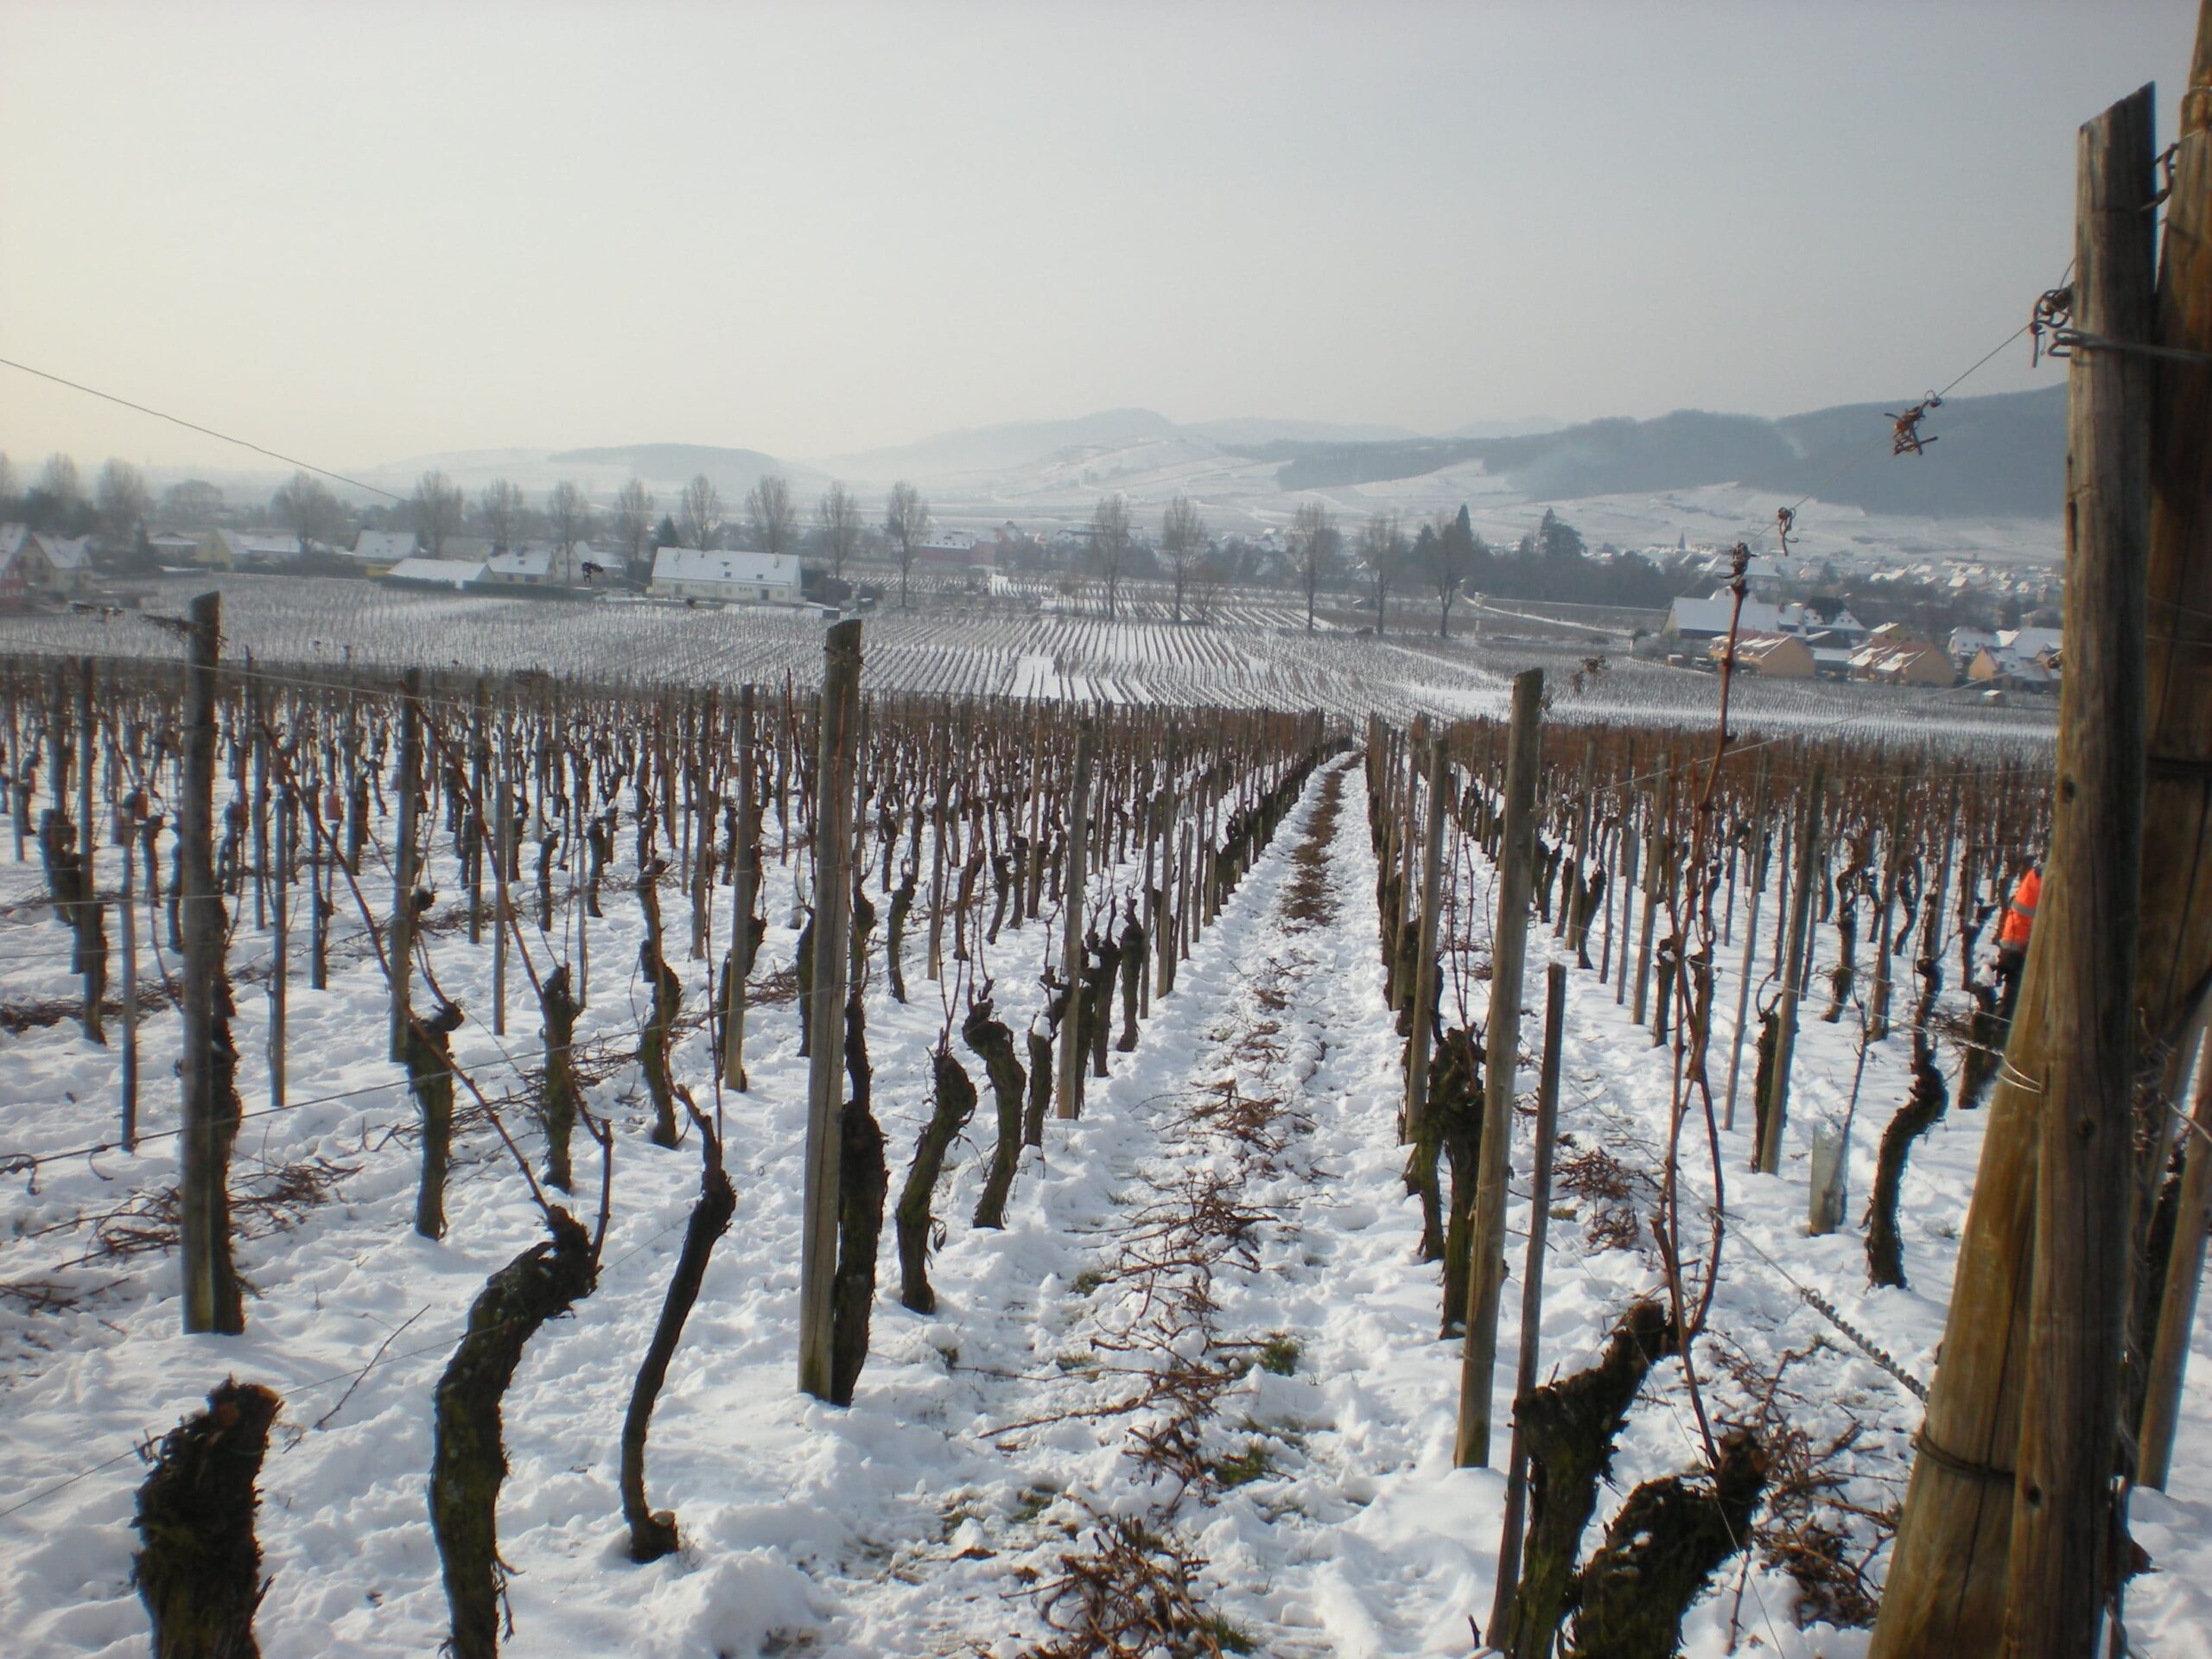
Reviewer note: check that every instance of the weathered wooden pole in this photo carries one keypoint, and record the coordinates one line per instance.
(1756, 865)
(279, 939)
(2176, 923)
(746, 886)
(1068, 1085)
(1774, 1108)
(1532, 1293)
(402, 864)
(2005, 1543)
(1415, 1117)
(128, 911)
(1501, 1048)
(2062, 1556)
(208, 1115)
(503, 839)
(833, 901)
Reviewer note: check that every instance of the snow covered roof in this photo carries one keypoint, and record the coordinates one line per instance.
(385, 546)
(65, 552)
(738, 569)
(1712, 616)
(533, 559)
(443, 573)
(2029, 642)
(258, 544)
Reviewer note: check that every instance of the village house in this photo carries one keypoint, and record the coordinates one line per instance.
(1769, 655)
(1694, 621)
(1889, 662)
(247, 549)
(729, 577)
(34, 564)
(457, 573)
(2019, 659)
(380, 549)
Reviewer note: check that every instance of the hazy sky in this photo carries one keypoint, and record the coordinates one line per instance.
(360, 232)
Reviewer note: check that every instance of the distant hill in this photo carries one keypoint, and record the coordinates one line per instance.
(733, 472)
(991, 448)
(2002, 456)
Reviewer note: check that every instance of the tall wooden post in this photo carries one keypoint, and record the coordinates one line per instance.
(1774, 1109)
(1532, 1293)
(208, 1118)
(833, 904)
(279, 939)
(1756, 863)
(2069, 1421)
(2005, 1532)
(503, 856)
(747, 885)
(402, 865)
(2177, 919)
(1068, 1086)
(1414, 1116)
(1500, 1046)
(128, 912)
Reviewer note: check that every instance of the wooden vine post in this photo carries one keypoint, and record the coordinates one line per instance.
(747, 886)
(1069, 1083)
(212, 1299)
(1774, 1105)
(1532, 1294)
(1415, 1114)
(833, 899)
(402, 866)
(1501, 1042)
(2006, 1542)
(2174, 950)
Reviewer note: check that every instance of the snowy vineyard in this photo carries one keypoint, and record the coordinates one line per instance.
(1159, 1241)
(1253, 652)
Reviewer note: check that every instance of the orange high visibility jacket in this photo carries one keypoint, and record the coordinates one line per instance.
(2020, 915)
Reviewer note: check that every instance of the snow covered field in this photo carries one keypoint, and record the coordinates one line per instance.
(1255, 653)
(990, 1442)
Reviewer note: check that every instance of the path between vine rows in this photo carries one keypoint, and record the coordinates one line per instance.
(934, 1516)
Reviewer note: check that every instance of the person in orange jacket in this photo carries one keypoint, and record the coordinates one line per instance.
(2012, 934)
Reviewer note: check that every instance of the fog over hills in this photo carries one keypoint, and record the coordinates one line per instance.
(1987, 458)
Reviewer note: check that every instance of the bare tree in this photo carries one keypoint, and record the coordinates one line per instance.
(1314, 543)
(192, 504)
(57, 478)
(304, 502)
(703, 511)
(905, 521)
(122, 497)
(633, 522)
(436, 507)
(503, 510)
(1183, 542)
(1382, 551)
(838, 513)
(7, 478)
(568, 513)
(1450, 552)
(1110, 542)
(770, 515)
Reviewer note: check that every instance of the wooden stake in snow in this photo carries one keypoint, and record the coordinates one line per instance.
(1532, 1292)
(209, 1111)
(1069, 1080)
(833, 890)
(1502, 1041)
(1414, 1118)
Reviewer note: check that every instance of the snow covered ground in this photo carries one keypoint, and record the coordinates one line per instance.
(936, 1516)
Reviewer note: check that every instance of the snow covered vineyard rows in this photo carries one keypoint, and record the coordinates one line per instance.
(1164, 1375)
(1250, 653)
